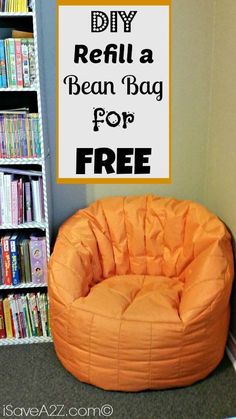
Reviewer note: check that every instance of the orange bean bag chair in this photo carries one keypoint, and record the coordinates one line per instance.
(139, 292)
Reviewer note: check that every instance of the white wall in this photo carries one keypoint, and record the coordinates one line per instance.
(220, 182)
(192, 49)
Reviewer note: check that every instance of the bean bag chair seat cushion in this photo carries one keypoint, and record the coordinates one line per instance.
(139, 293)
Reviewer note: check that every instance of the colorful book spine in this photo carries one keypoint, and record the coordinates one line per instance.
(35, 129)
(2, 199)
(25, 62)
(21, 316)
(26, 252)
(32, 63)
(3, 76)
(32, 320)
(28, 138)
(22, 261)
(28, 202)
(6, 260)
(20, 201)
(26, 316)
(11, 62)
(35, 313)
(1, 137)
(19, 73)
(14, 316)
(24, 138)
(7, 199)
(38, 260)
(18, 316)
(19, 135)
(2, 323)
(7, 318)
(8, 64)
(2, 129)
(14, 202)
(1, 266)
(14, 6)
(8, 136)
(15, 265)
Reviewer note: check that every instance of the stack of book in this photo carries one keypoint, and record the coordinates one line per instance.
(17, 63)
(24, 316)
(19, 134)
(23, 259)
(21, 196)
(14, 6)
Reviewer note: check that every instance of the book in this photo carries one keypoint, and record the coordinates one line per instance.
(19, 134)
(32, 64)
(2, 323)
(38, 259)
(1, 266)
(7, 272)
(22, 262)
(28, 202)
(18, 316)
(2, 199)
(21, 34)
(35, 315)
(28, 275)
(15, 263)
(19, 73)
(27, 320)
(14, 202)
(25, 62)
(20, 201)
(3, 71)
(22, 319)
(36, 197)
(7, 198)
(8, 319)
(24, 315)
(30, 309)
(14, 316)
(14, 6)
(11, 62)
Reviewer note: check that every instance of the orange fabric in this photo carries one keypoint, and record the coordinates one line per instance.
(139, 293)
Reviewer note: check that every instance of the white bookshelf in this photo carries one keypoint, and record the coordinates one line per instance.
(42, 162)
(14, 341)
(10, 15)
(22, 286)
(33, 224)
(19, 89)
(15, 161)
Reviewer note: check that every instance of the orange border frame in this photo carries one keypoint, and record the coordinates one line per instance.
(113, 180)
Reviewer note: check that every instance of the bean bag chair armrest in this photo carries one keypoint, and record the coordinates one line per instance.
(208, 280)
(74, 264)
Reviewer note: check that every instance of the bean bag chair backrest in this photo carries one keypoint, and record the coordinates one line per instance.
(147, 235)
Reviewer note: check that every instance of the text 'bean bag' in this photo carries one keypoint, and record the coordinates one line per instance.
(139, 293)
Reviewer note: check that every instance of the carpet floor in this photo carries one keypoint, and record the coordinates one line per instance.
(32, 376)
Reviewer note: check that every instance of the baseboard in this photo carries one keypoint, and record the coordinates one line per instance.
(231, 349)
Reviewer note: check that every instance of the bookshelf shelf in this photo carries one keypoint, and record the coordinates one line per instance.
(28, 298)
(22, 286)
(19, 89)
(22, 341)
(7, 14)
(15, 161)
(34, 224)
